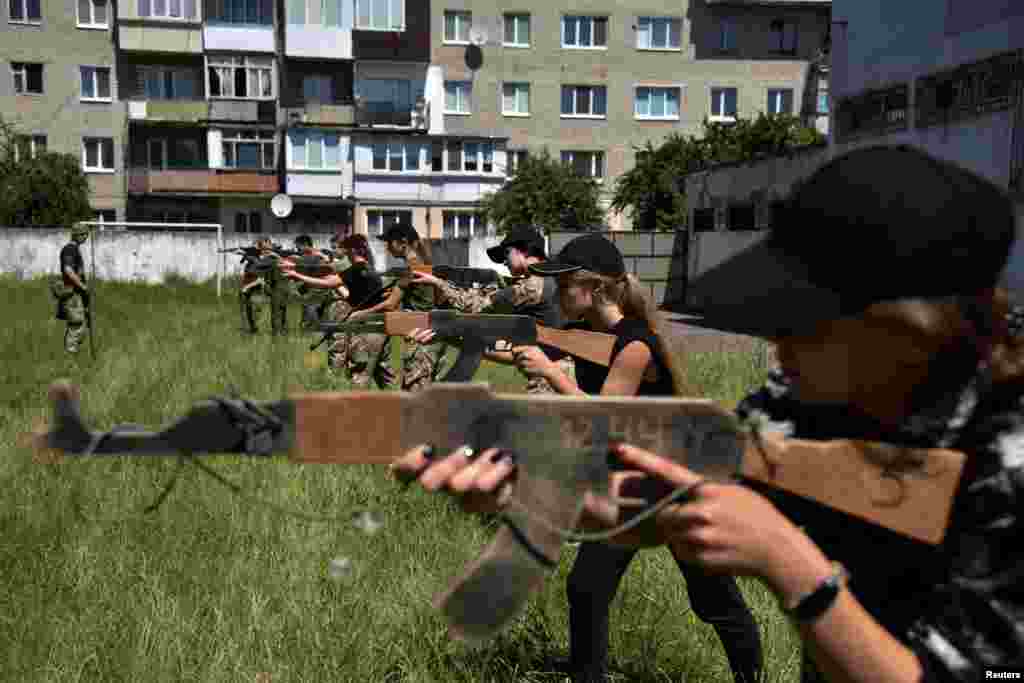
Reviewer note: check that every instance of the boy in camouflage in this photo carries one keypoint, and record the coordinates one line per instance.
(74, 295)
(368, 356)
(528, 294)
(329, 288)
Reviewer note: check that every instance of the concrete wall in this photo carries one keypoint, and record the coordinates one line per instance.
(149, 256)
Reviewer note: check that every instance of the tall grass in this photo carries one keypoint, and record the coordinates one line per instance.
(212, 587)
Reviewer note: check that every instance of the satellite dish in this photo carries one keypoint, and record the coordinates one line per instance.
(478, 36)
(281, 205)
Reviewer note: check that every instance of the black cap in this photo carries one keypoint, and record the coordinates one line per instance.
(400, 231)
(591, 252)
(519, 236)
(877, 224)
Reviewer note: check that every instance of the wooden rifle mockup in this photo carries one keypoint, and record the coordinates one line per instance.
(560, 444)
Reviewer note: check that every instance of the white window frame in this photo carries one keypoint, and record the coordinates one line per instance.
(162, 142)
(575, 102)
(678, 88)
(484, 149)
(569, 156)
(407, 151)
(778, 92)
(580, 18)
(310, 137)
(228, 61)
(26, 19)
(33, 146)
(236, 137)
(99, 155)
(517, 88)
(515, 17)
(473, 230)
(463, 96)
(321, 5)
(91, 72)
(378, 229)
(183, 5)
(513, 159)
(712, 116)
(22, 69)
(726, 34)
(650, 21)
(463, 24)
(392, 24)
(90, 21)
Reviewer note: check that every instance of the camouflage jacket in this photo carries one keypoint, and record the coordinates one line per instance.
(958, 606)
(530, 295)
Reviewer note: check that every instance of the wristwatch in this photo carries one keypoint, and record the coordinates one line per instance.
(812, 605)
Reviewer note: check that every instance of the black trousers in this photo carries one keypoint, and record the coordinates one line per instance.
(716, 600)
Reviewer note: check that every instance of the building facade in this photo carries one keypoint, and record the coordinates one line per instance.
(370, 111)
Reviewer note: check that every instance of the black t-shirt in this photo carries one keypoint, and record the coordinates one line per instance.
(590, 376)
(71, 256)
(361, 282)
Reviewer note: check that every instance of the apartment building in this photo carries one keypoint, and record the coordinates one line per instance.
(58, 84)
(593, 79)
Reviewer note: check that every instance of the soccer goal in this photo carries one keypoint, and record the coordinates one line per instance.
(99, 227)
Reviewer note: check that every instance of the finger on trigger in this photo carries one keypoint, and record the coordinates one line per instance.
(437, 475)
(492, 474)
(464, 479)
(655, 464)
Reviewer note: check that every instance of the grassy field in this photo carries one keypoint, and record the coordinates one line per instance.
(213, 587)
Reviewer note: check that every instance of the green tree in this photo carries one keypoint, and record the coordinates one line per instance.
(545, 192)
(654, 190)
(49, 189)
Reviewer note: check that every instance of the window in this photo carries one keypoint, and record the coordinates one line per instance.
(723, 103)
(397, 156)
(29, 147)
(514, 159)
(185, 10)
(726, 34)
(250, 149)
(457, 95)
(517, 30)
(456, 27)
(656, 103)
(104, 215)
(658, 33)
(584, 100)
(242, 77)
(25, 12)
(587, 164)
(244, 12)
(248, 222)
(590, 32)
(92, 14)
(378, 221)
(162, 83)
(822, 95)
(463, 224)
(314, 149)
(780, 101)
(515, 99)
(314, 12)
(318, 88)
(742, 217)
(468, 157)
(95, 83)
(28, 78)
(783, 37)
(98, 154)
(380, 15)
(385, 94)
(704, 220)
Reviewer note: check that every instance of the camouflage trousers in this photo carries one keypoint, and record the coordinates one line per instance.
(337, 348)
(421, 364)
(539, 385)
(74, 311)
(369, 358)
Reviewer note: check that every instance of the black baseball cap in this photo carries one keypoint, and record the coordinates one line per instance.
(876, 224)
(591, 252)
(519, 236)
(400, 231)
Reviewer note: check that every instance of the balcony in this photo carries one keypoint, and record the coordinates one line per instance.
(169, 111)
(388, 114)
(201, 181)
(222, 36)
(320, 114)
(178, 38)
(318, 42)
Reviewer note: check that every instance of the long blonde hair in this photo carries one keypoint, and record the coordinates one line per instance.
(628, 294)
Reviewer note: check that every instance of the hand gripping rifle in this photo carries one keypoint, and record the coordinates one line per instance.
(480, 333)
(457, 275)
(560, 444)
